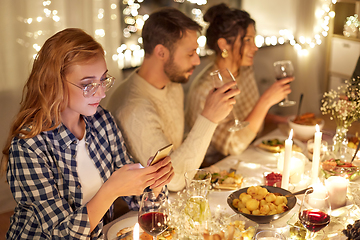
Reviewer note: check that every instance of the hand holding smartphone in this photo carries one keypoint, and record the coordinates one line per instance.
(161, 153)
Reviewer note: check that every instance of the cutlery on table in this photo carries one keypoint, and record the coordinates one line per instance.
(298, 192)
(356, 151)
(299, 107)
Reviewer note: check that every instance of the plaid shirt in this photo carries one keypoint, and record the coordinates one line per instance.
(43, 179)
(223, 141)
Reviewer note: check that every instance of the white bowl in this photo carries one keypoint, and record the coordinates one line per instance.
(304, 132)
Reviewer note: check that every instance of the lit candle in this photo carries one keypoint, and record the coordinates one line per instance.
(316, 155)
(287, 159)
(297, 166)
(136, 232)
(337, 189)
(316, 198)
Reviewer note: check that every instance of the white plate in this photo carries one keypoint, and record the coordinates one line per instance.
(281, 138)
(116, 227)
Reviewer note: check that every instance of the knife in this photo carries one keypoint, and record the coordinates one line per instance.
(123, 235)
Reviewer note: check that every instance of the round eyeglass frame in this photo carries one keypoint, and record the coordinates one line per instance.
(90, 89)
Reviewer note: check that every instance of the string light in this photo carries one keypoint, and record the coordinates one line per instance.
(303, 43)
(131, 53)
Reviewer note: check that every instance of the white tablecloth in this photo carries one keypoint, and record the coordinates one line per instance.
(251, 164)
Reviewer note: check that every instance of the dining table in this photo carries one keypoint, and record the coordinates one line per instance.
(251, 164)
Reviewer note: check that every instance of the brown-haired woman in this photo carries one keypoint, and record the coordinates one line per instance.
(231, 34)
(65, 158)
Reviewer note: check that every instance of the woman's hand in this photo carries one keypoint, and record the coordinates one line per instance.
(164, 174)
(277, 91)
(132, 179)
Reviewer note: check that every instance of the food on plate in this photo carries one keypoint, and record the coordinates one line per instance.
(235, 230)
(166, 235)
(226, 180)
(307, 119)
(337, 167)
(125, 230)
(272, 179)
(258, 201)
(276, 146)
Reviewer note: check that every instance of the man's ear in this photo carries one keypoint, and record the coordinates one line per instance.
(161, 52)
(221, 42)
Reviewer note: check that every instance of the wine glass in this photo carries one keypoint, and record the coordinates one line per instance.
(221, 77)
(153, 213)
(314, 212)
(284, 69)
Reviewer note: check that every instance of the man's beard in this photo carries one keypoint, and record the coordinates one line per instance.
(173, 73)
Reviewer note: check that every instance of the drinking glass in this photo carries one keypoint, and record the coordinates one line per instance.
(310, 149)
(221, 77)
(284, 69)
(153, 213)
(314, 212)
(198, 183)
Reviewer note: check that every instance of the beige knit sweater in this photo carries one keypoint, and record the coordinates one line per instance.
(150, 118)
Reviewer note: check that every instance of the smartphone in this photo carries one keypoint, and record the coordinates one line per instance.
(161, 153)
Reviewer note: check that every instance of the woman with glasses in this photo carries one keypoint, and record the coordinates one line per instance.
(65, 159)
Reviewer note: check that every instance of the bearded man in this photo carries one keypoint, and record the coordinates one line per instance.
(149, 104)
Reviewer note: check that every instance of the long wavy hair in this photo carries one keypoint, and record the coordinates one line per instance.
(45, 94)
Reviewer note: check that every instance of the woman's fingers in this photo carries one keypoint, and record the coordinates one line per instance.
(165, 179)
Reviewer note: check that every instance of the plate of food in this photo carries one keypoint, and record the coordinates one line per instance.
(276, 145)
(225, 180)
(127, 225)
(121, 227)
(338, 167)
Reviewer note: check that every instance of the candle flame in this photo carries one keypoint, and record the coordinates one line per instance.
(291, 134)
(136, 232)
(317, 128)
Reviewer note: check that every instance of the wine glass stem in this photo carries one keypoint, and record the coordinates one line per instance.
(286, 98)
(235, 117)
(310, 235)
(154, 237)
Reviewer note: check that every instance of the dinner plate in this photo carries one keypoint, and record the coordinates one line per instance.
(281, 138)
(224, 187)
(116, 227)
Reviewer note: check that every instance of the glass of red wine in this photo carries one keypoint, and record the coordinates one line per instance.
(221, 77)
(284, 69)
(314, 212)
(153, 213)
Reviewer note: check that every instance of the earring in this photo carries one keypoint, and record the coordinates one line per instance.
(224, 53)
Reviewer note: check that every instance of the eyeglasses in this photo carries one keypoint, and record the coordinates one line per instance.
(89, 90)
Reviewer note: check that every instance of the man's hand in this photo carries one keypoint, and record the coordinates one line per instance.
(219, 102)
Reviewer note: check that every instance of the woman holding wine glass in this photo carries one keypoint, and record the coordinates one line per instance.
(284, 69)
(231, 35)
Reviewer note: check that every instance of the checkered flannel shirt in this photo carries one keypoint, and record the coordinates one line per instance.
(223, 141)
(44, 181)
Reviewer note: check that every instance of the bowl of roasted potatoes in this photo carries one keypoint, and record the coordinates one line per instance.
(262, 204)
